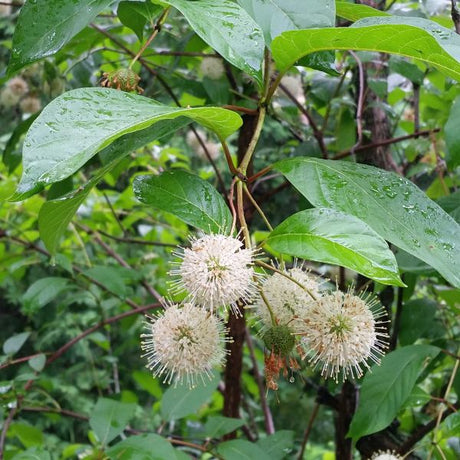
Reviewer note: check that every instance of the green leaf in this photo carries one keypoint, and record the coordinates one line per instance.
(78, 124)
(136, 14)
(34, 453)
(393, 206)
(15, 343)
(451, 134)
(416, 319)
(422, 39)
(385, 390)
(227, 28)
(27, 434)
(45, 26)
(110, 277)
(180, 400)
(44, 291)
(277, 16)
(55, 215)
(353, 12)
(333, 237)
(142, 447)
(187, 196)
(109, 418)
(239, 449)
(216, 427)
(277, 445)
(37, 363)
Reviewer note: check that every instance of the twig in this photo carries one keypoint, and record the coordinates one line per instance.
(308, 430)
(455, 15)
(360, 104)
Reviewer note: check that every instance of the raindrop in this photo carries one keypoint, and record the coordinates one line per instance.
(291, 379)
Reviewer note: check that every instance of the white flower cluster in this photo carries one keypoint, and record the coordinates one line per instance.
(200, 148)
(212, 67)
(13, 93)
(386, 455)
(340, 332)
(186, 341)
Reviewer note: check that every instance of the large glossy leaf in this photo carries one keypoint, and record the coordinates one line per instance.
(45, 26)
(79, 123)
(451, 134)
(277, 16)
(325, 235)
(393, 206)
(54, 216)
(354, 11)
(411, 37)
(227, 28)
(179, 401)
(109, 418)
(187, 196)
(384, 391)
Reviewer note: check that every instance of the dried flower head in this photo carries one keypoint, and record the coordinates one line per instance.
(185, 342)
(30, 104)
(18, 86)
(386, 455)
(212, 67)
(289, 297)
(216, 271)
(122, 79)
(342, 333)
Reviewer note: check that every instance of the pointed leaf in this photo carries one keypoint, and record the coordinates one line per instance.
(329, 236)
(227, 28)
(277, 16)
(144, 446)
(422, 39)
(354, 11)
(45, 26)
(216, 427)
(109, 418)
(277, 444)
(393, 206)
(43, 291)
(451, 134)
(239, 449)
(385, 390)
(80, 123)
(187, 196)
(15, 343)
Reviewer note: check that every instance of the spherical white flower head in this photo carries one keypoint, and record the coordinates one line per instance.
(8, 99)
(212, 68)
(18, 86)
(191, 138)
(342, 333)
(289, 299)
(184, 343)
(5, 10)
(216, 271)
(293, 83)
(387, 455)
(30, 104)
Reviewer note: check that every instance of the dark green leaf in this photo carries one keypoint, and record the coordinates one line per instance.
(34, 453)
(239, 449)
(228, 29)
(329, 236)
(44, 291)
(136, 14)
(37, 363)
(422, 39)
(180, 401)
(407, 69)
(216, 427)
(27, 434)
(277, 16)
(277, 445)
(385, 390)
(393, 206)
(142, 447)
(110, 277)
(353, 12)
(45, 26)
(416, 319)
(15, 343)
(109, 418)
(80, 123)
(187, 196)
(451, 134)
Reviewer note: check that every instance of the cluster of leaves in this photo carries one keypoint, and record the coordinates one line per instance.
(86, 238)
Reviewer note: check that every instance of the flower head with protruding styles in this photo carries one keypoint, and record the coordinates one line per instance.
(385, 455)
(216, 271)
(285, 298)
(342, 333)
(185, 342)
